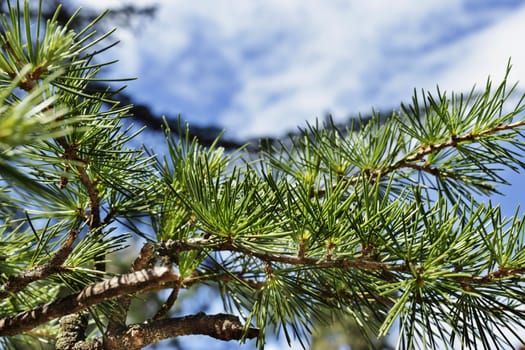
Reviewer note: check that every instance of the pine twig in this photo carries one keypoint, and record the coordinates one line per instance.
(166, 307)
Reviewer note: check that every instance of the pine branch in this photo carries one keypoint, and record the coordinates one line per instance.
(416, 161)
(453, 142)
(90, 185)
(239, 276)
(132, 283)
(172, 247)
(501, 273)
(70, 154)
(137, 336)
(168, 304)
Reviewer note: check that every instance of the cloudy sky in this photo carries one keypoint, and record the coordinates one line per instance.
(263, 67)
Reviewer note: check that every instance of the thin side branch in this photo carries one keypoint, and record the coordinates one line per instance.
(453, 142)
(168, 304)
(226, 277)
(171, 247)
(70, 153)
(499, 274)
(16, 283)
(90, 185)
(413, 161)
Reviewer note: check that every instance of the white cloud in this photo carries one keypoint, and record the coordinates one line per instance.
(263, 67)
(487, 54)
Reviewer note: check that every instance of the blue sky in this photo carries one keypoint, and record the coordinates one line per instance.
(264, 67)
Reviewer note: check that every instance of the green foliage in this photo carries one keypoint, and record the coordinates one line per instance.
(380, 223)
(62, 148)
(382, 217)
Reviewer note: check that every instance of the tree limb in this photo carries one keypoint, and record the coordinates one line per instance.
(90, 185)
(132, 283)
(220, 326)
(454, 141)
(168, 304)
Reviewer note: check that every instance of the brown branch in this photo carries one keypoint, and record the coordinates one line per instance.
(94, 220)
(424, 150)
(220, 326)
(132, 283)
(94, 200)
(144, 258)
(421, 167)
(197, 277)
(16, 283)
(499, 274)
